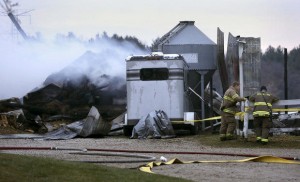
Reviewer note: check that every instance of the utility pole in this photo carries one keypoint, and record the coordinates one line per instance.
(285, 77)
(8, 7)
(17, 25)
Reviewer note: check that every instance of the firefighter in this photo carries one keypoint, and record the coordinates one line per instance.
(229, 109)
(262, 114)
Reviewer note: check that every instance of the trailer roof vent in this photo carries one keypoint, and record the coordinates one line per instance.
(154, 56)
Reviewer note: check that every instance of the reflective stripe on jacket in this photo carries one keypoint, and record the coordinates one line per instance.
(229, 101)
(262, 103)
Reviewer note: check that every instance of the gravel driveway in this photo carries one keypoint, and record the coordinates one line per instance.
(247, 171)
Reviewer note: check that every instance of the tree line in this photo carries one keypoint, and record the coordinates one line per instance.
(272, 71)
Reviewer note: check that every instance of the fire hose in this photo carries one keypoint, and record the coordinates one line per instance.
(144, 158)
(149, 158)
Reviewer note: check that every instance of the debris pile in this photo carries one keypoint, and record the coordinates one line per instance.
(92, 125)
(53, 106)
(65, 97)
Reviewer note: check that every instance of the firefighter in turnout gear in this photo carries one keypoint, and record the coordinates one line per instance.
(229, 109)
(262, 114)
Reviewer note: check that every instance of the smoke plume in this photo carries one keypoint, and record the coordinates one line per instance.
(25, 65)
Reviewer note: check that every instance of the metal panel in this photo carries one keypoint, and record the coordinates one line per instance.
(190, 34)
(206, 55)
(232, 59)
(185, 38)
(221, 61)
(252, 65)
(251, 58)
(168, 95)
(199, 51)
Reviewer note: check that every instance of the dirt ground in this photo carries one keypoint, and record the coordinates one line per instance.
(246, 171)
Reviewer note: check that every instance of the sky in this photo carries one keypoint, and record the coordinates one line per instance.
(25, 66)
(277, 22)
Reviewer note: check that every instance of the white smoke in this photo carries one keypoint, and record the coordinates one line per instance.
(26, 65)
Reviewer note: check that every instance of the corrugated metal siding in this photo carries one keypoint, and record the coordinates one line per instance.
(205, 55)
(186, 38)
(190, 34)
(221, 61)
(251, 62)
(200, 53)
(232, 60)
(252, 65)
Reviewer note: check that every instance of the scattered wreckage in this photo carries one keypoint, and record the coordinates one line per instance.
(155, 125)
(21, 118)
(92, 125)
(61, 102)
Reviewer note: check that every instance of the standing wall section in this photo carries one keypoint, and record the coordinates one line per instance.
(251, 58)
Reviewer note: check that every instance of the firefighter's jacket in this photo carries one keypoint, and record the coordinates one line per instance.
(229, 101)
(262, 104)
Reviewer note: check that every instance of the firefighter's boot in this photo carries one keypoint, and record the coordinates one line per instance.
(229, 136)
(258, 139)
(264, 141)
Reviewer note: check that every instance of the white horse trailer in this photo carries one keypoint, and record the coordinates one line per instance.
(158, 82)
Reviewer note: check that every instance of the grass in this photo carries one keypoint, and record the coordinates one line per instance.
(34, 169)
(278, 141)
(26, 168)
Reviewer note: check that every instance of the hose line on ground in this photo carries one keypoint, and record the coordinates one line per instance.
(140, 151)
(144, 158)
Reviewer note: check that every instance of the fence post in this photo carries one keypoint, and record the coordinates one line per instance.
(246, 119)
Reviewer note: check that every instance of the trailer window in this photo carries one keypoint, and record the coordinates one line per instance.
(147, 74)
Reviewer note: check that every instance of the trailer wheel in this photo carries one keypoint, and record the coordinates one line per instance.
(127, 130)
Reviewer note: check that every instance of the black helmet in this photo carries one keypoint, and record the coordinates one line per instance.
(263, 88)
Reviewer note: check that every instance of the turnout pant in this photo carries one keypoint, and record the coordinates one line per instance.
(228, 124)
(262, 127)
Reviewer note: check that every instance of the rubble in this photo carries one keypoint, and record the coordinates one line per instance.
(92, 125)
(54, 105)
